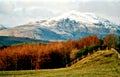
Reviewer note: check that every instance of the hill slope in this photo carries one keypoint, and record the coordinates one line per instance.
(100, 64)
(99, 58)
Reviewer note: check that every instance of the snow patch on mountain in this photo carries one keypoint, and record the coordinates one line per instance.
(72, 25)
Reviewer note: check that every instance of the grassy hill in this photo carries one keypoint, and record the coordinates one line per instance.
(100, 64)
(99, 58)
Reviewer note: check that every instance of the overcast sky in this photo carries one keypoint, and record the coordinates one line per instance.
(17, 12)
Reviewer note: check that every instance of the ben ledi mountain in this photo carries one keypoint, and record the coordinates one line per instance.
(72, 25)
(2, 27)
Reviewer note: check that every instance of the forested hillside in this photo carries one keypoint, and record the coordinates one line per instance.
(47, 56)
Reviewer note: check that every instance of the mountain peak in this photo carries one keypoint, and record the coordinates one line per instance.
(79, 16)
(76, 13)
(2, 27)
(72, 25)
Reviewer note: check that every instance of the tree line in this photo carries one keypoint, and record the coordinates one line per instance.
(48, 56)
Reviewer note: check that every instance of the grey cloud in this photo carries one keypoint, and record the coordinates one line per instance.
(6, 7)
(21, 12)
(108, 10)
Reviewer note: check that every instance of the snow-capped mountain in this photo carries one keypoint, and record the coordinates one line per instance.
(2, 27)
(72, 25)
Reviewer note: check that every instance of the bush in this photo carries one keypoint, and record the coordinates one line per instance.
(84, 51)
(79, 54)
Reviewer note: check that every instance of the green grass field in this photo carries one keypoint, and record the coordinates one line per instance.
(100, 64)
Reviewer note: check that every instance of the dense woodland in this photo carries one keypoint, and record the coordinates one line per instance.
(54, 54)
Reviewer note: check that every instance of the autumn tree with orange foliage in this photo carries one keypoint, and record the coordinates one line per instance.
(41, 56)
(87, 41)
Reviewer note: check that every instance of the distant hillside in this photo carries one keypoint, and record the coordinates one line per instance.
(7, 40)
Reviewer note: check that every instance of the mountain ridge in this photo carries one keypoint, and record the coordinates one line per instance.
(2, 27)
(72, 25)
